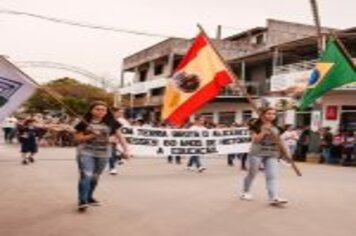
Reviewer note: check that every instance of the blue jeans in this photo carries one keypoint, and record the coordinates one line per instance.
(194, 160)
(90, 168)
(113, 158)
(292, 149)
(271, 168)
(326, 152)
(230, 159)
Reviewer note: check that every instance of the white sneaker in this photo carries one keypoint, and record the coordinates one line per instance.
(113, 171)
(201, 169)
(278, 201)
(246, 196)
(189, 168)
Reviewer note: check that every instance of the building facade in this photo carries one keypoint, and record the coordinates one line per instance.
(263, 58)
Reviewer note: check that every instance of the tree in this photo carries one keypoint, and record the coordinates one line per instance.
(73, 94)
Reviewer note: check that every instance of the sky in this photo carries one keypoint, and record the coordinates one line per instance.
(100, 52)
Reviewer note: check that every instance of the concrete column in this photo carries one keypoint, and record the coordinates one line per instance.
(243, 71)
(238, 116)
(215, 117)
(150, 72)
(136, 76)
(170, 68)
(275, 60)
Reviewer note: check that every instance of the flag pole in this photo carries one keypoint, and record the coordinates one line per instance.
(342, 47)
(51, 93)
(285, 153)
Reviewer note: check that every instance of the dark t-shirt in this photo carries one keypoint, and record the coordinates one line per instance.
(327, 139)
(99, 146)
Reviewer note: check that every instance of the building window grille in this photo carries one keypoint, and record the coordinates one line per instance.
(246, 115)
(159, 69)
(226, 118)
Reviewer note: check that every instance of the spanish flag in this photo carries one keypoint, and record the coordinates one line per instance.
(198, 78)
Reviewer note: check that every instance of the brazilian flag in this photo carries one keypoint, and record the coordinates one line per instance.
(333, 70)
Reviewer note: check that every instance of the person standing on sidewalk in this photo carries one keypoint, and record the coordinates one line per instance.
(264, 150)
(95, 135)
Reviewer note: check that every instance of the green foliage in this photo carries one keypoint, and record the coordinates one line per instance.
(77, 96)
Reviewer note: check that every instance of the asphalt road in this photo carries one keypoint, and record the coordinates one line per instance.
(150, 197)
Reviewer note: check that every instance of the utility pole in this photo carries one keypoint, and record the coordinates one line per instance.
(315, 11)
(313, 148)
(218, 32)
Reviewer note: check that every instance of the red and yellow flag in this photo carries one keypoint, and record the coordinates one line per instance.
(197, 79)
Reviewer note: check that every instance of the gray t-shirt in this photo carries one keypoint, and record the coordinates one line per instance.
(267, 147)
(98, 146)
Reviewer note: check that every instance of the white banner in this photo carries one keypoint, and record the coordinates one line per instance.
(163, 142)
(293, 82)
(15, 88)
(297, 82)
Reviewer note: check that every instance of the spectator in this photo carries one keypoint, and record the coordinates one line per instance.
(290, 138)
(9, 128)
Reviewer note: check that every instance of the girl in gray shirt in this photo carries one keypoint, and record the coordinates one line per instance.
(264, 150)
(95, 136)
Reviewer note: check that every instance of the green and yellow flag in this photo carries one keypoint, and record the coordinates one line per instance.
(333, 70)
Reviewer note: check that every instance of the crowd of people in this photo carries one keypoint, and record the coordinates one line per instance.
(334, 148)
(99, 141)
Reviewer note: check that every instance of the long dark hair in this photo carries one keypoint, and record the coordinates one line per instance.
(108, 119)
(256, 124)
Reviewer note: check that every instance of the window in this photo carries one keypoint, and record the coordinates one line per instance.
(142, 75)
(157, 91)
(140, 95)
(158, 69)
(246, 115)
(226, 118)
(208, 116)
(260, 39)
(176, 62)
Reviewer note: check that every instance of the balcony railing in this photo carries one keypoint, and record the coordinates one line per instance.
(142, 101)
(295, 67)
(252, 88)
(293, 78)
(155, 100)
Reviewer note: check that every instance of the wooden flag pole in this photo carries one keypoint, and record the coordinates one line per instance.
(53, 94)
(342, 47)
(285, 153)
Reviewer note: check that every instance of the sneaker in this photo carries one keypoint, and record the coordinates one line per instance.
(94, 202)
(246, 196)
(31, 159)
(189, 168)
(278, 201)
(113, 172)
(82, 207)
(201, 169)
(24, 162)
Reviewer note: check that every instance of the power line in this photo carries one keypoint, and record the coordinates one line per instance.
(103, 82)
(83, 25)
